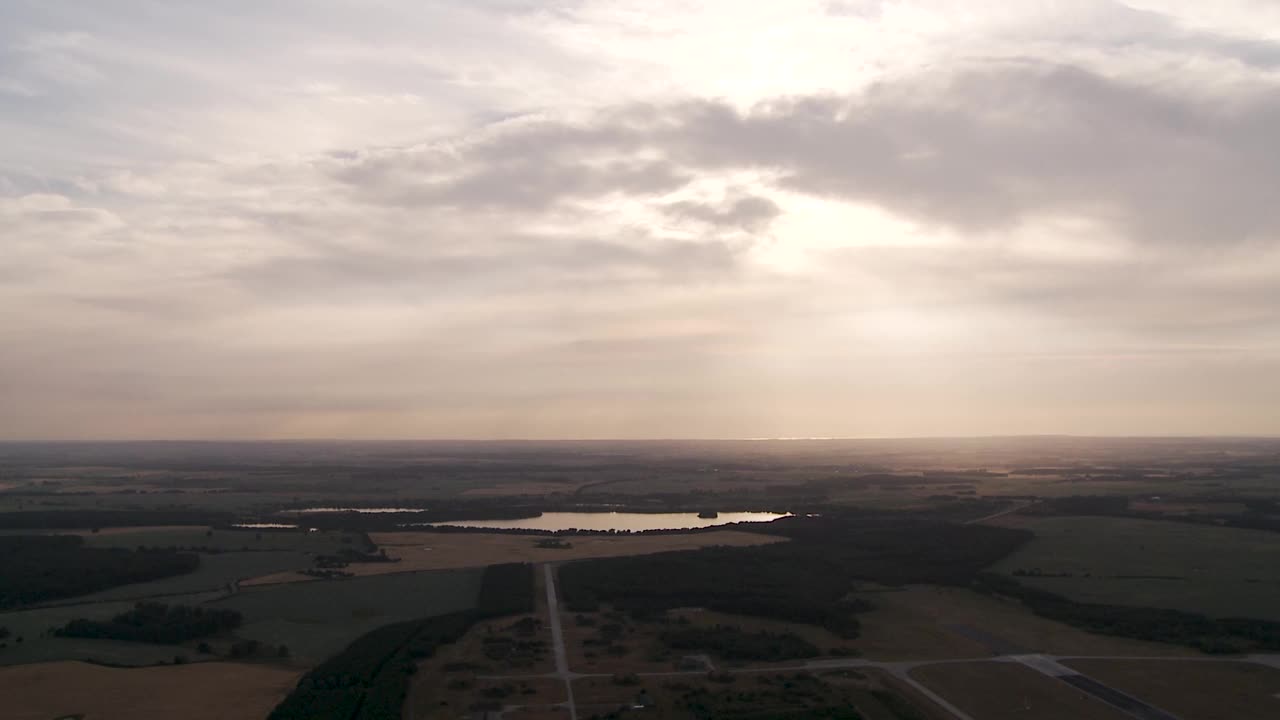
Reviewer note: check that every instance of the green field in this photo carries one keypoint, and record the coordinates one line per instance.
(32, 624)
(216, 571)
(317, 619)
(1221, 572)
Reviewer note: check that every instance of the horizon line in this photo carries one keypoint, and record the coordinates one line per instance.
(798, 438)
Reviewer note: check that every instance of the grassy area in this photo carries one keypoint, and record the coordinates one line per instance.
(216, 571)
(32, 624)
(1008, 691)
(317, 619)
(1194, 691)
(208, 691)
(926, 622)
(1221, 572)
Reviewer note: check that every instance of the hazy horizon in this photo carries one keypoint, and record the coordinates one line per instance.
(611, 219)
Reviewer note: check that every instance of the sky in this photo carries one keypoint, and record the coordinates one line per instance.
(638, 218)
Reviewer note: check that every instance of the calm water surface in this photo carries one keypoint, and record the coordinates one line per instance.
(616, 521)
(361, 510)
(264, 526)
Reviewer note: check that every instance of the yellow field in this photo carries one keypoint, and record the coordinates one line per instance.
(439, 551)
(204, 691)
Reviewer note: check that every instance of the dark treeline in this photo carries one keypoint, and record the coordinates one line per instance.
(369, 680)
(1226, 635)
(761, 581)
(156, 623)
(40, 568)
(68, 519)
(807, 580)
(733, 643)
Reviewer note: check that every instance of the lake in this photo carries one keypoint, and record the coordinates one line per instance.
(634, 522)
(373, 510)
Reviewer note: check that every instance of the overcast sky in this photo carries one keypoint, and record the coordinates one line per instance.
(638, 218)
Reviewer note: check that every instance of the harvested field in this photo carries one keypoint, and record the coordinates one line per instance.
(205, 691)
(1000, 690)
(1193, 690)
(437, 551)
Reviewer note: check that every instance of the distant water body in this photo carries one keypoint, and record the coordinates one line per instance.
(369, 510)
(635, 522)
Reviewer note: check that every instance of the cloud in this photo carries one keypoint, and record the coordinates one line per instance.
(749, 213)
(626, 218)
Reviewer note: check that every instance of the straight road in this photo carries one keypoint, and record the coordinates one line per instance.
(557, 639)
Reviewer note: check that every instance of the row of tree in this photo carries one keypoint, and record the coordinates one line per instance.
(156, 623)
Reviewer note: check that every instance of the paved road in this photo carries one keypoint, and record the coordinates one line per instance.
(557, 639)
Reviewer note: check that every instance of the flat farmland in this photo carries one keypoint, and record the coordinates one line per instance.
(1218, 571)
(435, 551)
(317, 619)
(1194, 690)
(922, 622)
(1008, 691)
(207, 691)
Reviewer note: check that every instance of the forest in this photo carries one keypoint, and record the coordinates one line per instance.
(40, 568)
(807, 580)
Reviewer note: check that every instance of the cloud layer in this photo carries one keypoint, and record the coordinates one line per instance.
(609, 219)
